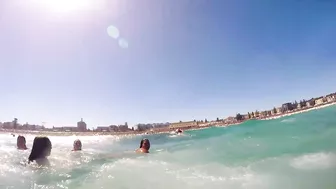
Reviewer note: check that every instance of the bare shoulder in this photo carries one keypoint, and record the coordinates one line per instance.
(138, 150)
(141, 150)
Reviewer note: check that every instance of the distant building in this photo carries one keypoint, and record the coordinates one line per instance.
(160, 125)
(266, 113)
(261, 114)
(330, 98)
(256, 114)
(148, 126)
(103, 129)
(7, 125)
(230, 119)
(81, 126)
(269, 112)
(287, 107)
(123, 128)
(143, 127)
(184, 124)
(273, 111)
(319, 101)
(279, 110)
(28, 127)
(114, 128)
(298, 106)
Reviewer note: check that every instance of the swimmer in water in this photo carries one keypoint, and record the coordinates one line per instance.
(178, 131)
(40, 150)
(21, 143)
(144, 146)
(77, 146)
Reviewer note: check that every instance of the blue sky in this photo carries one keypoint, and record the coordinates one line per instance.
(186, 59)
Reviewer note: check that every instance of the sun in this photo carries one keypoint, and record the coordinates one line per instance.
(66, 5)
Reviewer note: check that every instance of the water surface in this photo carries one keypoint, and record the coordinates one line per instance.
(292, 152)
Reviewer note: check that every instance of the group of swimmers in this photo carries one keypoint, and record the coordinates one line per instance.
(42, 148)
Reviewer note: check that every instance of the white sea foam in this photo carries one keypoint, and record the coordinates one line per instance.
(289, 120)
(315, 161)
(87, 170)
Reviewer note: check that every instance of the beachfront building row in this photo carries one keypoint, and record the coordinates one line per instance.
(196, 123)
(138, 127)
(81, 127)
(186, 124)
(114, 128)
(149, 126)
(283, 109)
(15, 125)
(201, 123)
(291, 107)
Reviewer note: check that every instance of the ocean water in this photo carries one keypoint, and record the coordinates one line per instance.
(293, 152)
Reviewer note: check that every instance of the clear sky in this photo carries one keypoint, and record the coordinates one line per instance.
(183, 60)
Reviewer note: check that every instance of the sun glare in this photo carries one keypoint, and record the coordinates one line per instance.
(66, 5)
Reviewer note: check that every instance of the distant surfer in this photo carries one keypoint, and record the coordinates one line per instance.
(178, 131)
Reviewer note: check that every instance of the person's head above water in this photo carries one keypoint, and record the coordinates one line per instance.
(145, 145)
(77, 145)
(41, 148)
(21, 143)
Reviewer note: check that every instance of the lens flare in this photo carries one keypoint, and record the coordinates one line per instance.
(123, 43)
(113, 32)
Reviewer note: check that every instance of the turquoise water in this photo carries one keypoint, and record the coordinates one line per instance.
(293, 152)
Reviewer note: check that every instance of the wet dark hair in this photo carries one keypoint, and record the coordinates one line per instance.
(142, 141)
(78, 141)
(20, 138)
(41, 148)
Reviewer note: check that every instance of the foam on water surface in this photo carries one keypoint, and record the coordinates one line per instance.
(292, 152)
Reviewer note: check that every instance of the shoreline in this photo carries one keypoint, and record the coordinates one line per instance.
(297, 112)
(158, 131)
(117, 134)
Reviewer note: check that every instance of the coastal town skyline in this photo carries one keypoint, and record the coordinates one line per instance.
(131, 61)
(270, 113)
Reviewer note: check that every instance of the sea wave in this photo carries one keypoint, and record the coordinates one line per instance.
(253, 155)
